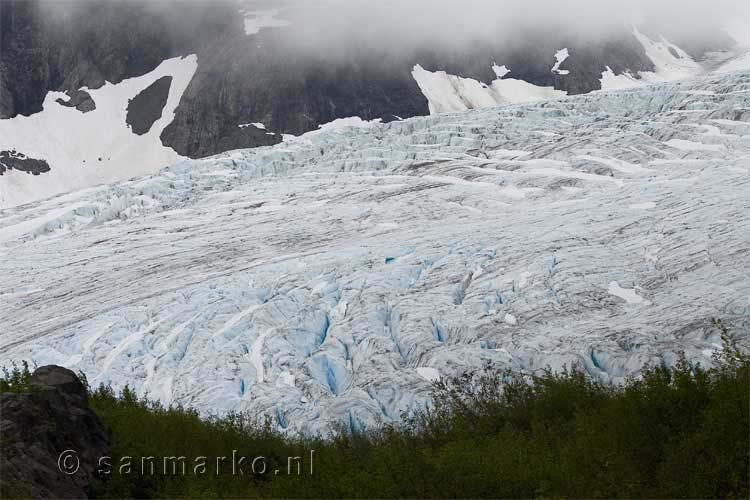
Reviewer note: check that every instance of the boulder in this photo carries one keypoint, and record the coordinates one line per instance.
(37, 426)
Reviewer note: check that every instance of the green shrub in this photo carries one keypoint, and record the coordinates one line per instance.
(680, 432)
(15, 379)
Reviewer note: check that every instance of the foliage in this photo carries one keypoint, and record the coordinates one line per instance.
(672, 432)
(15, 379)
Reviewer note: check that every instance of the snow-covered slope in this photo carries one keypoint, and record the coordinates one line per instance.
(740, 62)
(450, 93)
(329, 278)
(83, 149)
(670, 63)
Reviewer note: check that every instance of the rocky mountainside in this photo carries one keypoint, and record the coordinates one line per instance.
(260, 77)
(37, 426)
(99, 91)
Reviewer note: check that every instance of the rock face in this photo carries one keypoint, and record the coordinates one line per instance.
(145, 108)
(13, 160)
(260, 77)
(38, 426)
(81, 100)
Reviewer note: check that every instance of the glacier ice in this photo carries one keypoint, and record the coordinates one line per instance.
(330, 278)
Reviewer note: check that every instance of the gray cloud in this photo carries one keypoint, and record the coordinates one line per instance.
(333, 26)
(451, 20)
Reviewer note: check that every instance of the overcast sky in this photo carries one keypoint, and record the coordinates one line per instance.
(393, 22)
(402, 23)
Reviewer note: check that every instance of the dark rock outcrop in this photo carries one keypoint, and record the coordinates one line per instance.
(13, 160)
(81, 100)
(147, 107)
(37, 426)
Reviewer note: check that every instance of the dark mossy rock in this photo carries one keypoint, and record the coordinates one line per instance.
(14, 160)
(37, 426)
(79, 99)
(148, 106)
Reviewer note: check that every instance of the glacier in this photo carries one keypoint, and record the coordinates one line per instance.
(332, 277)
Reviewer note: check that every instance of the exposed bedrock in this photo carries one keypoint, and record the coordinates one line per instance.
(147, 107)
(39, 425)
(13, 160)
(79, 99)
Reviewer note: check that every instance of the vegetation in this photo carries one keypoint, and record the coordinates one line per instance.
(16, 379)
(674, 432)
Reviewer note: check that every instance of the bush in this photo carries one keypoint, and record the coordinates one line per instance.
(673, 432)
(16, 379)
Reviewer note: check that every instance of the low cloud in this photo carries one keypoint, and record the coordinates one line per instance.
(450, 22)
(332, 27)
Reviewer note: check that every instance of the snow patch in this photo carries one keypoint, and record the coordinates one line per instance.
(338, 126)
(500, 71)
(670, 63)
(257, 125)
(428, 373)
(447, 93)
(560, 57)
(627, 294)
(611, 81)
(519, 91)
